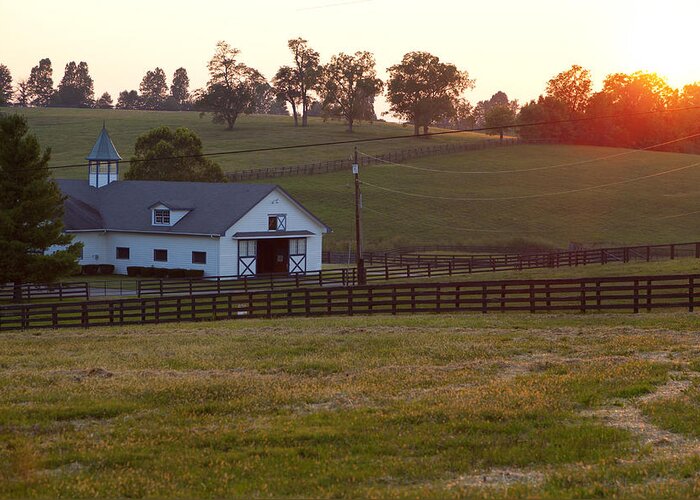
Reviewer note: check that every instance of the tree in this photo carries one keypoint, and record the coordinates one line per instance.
(180, 89)
(154, 89)
(423, 90)
(572, 87)
(6, 90)
(128, 99)
(76, 89)
(286, 89)
(305, 73)
(546, 109)
(499, 116)
(23, 94)
(154, 153)
(232, 86)
(500, 98)
(31, 211)
(346, 83)
(40, 83)
(104, 102)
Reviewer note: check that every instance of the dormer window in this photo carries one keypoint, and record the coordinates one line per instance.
(161, 217)
(277, 222)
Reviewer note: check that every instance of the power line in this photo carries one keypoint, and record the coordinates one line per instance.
(433, 225)
(531, 196)
(534, 169)
(393, 137)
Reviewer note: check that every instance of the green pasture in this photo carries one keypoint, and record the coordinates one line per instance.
(660, 209)
(504, 406)
(71, 134)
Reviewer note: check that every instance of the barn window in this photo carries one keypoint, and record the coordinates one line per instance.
(247, 248)
(161, 217)
(123, 253)
(277, 222)
(199, 257)
(160, 255)
(297, 246)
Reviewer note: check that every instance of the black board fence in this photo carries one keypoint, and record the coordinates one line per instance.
(398, 156)
(388, 267)
(31, 291)
(621, 294)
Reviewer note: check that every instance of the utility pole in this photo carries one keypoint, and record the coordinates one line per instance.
(361, 274)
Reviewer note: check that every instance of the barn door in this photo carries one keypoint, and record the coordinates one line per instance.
(297, 255)
(247, 262)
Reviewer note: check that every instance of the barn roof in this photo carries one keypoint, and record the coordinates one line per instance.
(104, 149)
(126, 205)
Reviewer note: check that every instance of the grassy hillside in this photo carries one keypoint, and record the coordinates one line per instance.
(71, 133)
(634, 212)
(427, 406)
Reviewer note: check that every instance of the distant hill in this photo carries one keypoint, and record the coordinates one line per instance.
(71, 133)
(655, 209)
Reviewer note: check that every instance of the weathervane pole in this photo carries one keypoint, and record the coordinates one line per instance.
(361, 275)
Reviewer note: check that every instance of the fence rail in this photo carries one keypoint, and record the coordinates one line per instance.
(633, 294)
(324, 167)
(387, 267)
(29, 291)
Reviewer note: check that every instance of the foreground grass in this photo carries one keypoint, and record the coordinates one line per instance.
(71, 134)
(380, 406)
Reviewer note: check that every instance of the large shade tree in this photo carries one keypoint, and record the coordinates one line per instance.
(348, 85)
(423, 90)
(163, 154)
(76, 88)
(232, 88)
(573, 87)
(40, 83)
(305, 73)
(31, 211)
(287, 91)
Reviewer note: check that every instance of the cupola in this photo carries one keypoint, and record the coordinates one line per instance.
(103, 161)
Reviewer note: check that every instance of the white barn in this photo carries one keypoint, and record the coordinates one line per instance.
(224, 229)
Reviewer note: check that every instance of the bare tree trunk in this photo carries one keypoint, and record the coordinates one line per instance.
(295, 114)
(501, 133)
(425, 129)
(416, 129)
(304, 112)
(350, 120)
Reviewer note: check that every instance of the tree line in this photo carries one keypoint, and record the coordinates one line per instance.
(421, 89)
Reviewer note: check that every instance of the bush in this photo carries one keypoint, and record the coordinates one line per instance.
(134, 270)
(177, 273)
(161, 272)
(194, 273)
(148, 272)
(90, 269)
(105, 269)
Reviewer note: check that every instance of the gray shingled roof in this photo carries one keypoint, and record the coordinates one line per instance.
(103, 150)
(126, 205)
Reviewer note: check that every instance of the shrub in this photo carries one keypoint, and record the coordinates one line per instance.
(177, 273)
(194, 273)
(105, 269)
(148, 272)
(90, 269)
(160, 272)
(134, 270)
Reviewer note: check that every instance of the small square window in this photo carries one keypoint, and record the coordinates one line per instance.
(161, 217)
(199, 257)
(123, 253)
(160, 255)
(297, 246)
(247, 248)
(277, 222)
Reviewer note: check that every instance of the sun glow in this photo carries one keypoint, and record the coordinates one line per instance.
(664, 42)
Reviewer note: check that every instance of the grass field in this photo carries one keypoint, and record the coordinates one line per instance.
(443, 406)
(631, 213)
(71, 134)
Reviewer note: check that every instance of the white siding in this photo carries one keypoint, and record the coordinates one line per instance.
(256, 220)
(141, 248)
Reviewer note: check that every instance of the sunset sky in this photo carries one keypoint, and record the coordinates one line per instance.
(514, 46)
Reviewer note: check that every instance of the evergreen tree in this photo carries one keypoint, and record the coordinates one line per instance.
(6, 90)
(180, 89)
(154, 89)
(104, 102)
(76, 89)
(31, 211)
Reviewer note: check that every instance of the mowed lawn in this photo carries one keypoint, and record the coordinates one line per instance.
(438, 406)
(613, 209)
(71, 134)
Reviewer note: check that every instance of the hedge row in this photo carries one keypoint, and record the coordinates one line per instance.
(163, 272)
(93, 269)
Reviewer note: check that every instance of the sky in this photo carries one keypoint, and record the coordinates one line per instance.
(513, 46)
